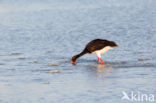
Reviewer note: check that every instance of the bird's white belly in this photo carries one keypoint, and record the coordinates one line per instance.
(102, 51)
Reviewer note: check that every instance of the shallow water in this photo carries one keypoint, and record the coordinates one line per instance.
(38, 38)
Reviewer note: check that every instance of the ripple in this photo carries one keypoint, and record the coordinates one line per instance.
(16, 53)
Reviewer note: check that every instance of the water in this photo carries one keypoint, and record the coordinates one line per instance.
(38, 38)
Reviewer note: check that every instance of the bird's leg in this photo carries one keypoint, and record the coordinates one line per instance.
(98, 60)
(102, 61)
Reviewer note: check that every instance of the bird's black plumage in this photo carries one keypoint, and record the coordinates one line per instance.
(94, 45)
(99, 44)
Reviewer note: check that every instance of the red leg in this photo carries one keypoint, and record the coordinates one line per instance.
(98, 60)
(102, 61)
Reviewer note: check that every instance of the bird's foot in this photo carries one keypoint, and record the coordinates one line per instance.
(102, 63)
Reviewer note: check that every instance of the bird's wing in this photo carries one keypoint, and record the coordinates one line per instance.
(95, 45)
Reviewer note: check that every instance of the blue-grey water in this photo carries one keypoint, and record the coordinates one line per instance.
(38, 38)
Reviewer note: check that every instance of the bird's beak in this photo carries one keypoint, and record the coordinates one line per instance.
(73, 62)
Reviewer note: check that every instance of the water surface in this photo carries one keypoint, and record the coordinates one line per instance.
(38, 38)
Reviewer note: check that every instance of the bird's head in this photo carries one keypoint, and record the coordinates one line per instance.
(73, 60)
(113, 44)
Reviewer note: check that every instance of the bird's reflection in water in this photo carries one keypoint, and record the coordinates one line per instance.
(102, 70)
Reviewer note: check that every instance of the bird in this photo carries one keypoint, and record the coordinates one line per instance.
(96, 46)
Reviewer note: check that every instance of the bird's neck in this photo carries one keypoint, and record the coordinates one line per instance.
(80, 54)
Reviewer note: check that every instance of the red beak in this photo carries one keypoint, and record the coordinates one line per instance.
(73, 62)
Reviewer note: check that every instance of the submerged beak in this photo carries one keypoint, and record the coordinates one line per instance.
(73, 62)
